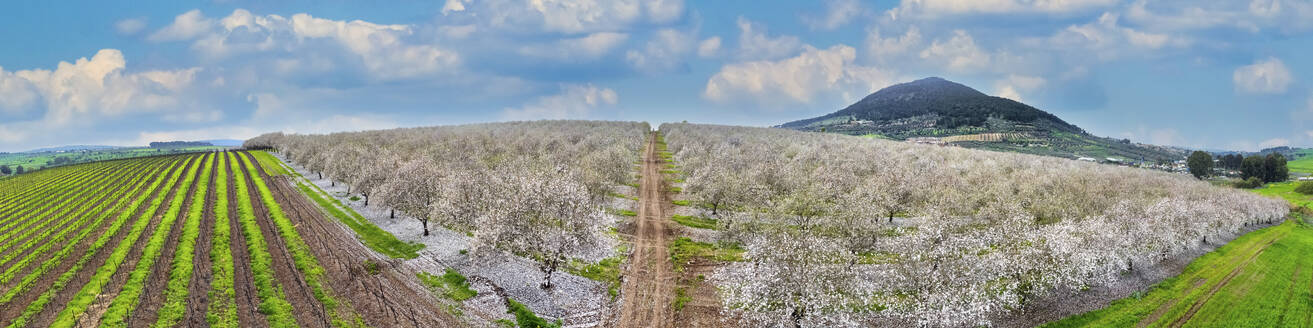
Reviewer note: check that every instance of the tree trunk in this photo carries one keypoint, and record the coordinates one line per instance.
(714, 208)
(891, 216)
(425, 222)
(392, 214)
(332, 183)
(366, 200)
(321, 175)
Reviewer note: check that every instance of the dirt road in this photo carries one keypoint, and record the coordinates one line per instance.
(648, 291)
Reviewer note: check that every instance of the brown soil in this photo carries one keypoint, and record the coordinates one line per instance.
(703, 308)
(124, 271)
(390, 298)
(61, 297)
(648, 282)
(198, 300)
(308, 311)
(156, 285)
(248, 302)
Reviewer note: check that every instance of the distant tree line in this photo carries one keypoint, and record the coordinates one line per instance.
(174, 144)
(1261, 168)
(6, 170)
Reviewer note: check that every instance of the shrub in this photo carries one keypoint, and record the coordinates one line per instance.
(1305, 187)
(1251, 183)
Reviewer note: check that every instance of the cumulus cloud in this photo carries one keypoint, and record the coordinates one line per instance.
(578, 16)
(709, 47)
(1265, 76)
(959, 53)
(755, 44)
(1013, 85)
(574, 102)
(1250, 16)
(186, 26)
(799, 79)
(384, 52)
(1107, 39)
(587, 47)
(88, 90)
(130, 26)
(837, 13)
(938, 8)
(886, 49)
(664, 52)
(453, 6)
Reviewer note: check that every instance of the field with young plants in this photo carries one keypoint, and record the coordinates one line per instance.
(205, 239)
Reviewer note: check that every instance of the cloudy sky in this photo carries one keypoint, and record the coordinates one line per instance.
(1227, 74)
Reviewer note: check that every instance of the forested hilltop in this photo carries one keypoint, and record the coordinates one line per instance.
(934, 110)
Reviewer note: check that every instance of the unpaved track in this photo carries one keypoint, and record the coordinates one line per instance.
(1200, 303)
(648, 287)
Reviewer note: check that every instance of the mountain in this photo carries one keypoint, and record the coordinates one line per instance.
(938, 111)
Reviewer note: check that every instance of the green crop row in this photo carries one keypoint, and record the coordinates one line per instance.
(121, 307)
(272, 166)
(304, 260)
(223, 308)
(22, 210)
(123, 214)
(175, 298)
(46, 240)
(24, 189)
(43, 222)
(85, 296)
(272, 302)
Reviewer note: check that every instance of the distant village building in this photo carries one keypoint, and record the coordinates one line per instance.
(1086, 159)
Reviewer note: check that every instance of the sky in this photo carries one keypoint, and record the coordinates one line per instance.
(1214, 74)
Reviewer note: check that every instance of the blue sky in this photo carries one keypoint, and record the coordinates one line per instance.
(1205, 73)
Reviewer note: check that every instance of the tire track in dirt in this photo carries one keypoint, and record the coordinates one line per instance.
(198, 300)
(308, 310)
(1290, 294)
(1194, 308)
(648, 279)
(81, 278)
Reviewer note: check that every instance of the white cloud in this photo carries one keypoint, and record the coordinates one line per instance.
(1012, 86)
(574, 101)
(1107, 39)
(17, 94)
(385, 52)
(755, 44)
(588, 47)
(798, 79)
(837, 14)
(664, 51)
(886, 49)
(709, 47)
(1274, 142)
(959, 53)
(96, 86)
(1269, 76)
(578, 16)
(186, 26)
(453, 6)
(937, 8)
(130, 26)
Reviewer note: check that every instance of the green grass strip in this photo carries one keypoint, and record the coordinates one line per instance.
(175, 297)
(223, 295)
(371, 235)
(304, 260)
(63, 280)
(272, 166)
(273, 304)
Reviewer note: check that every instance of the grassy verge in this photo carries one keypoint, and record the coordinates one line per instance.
(1270, 291)
(621, 212)
(606, 271)
(450, 284)
(371, 235)
(700, 222)
(684, 250)
(272, 166)
(525, 318)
